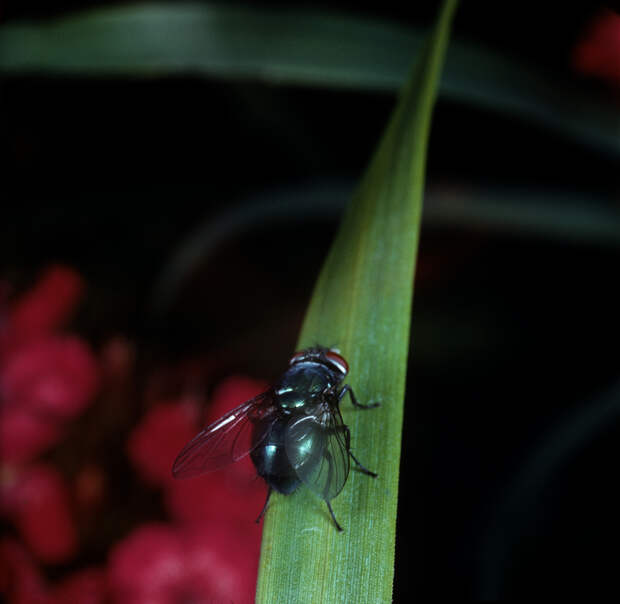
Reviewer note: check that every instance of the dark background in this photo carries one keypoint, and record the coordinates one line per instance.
(512, 419)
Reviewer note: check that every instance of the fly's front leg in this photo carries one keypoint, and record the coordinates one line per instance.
(346, 388)
(331, 511)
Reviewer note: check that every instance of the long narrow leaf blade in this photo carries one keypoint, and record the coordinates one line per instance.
(362, 304)
(305, 47)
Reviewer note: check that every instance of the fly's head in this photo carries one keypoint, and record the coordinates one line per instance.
(329, 357)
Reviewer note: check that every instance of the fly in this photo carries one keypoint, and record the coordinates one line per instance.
(293, 432)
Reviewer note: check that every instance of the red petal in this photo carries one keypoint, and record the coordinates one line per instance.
(221, 563)
(158, 563)
(221, 496)
(149, 563)
(598, 53)
(159, 437)
(43, 514)
(83, 587)
(48, 305)
(24, 435)
(20, 581)
(56, 376)
(231, 392)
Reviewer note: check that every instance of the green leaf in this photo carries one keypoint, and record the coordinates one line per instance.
(362, 305)
(300, 46)
(292, 46)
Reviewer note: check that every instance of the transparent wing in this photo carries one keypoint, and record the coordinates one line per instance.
(228, 439)
(318, 449)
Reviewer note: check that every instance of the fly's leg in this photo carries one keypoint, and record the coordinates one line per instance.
(345, 429)
(327, 484)
(262, 513)
(346, 388)
(362, 468)
(329, 507)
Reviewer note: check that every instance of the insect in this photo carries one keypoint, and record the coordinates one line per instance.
(293, 432)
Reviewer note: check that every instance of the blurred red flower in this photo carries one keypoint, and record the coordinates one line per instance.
(233, 493)
(159, 437)
(159, 564)
(20, 582)
(598, 52)
(24, 435)
(55, 377)
(230, 393)
(213, 556)
(167, 427)
(44, 308)
(37, 500)
(87, 586)
(228, 496)
(45, 379)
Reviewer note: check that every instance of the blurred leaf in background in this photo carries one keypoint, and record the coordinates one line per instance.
(309, 48)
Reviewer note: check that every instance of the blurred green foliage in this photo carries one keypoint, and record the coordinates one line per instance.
(298, 46)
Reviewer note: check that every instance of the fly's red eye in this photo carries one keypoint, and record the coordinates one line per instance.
(338, 361)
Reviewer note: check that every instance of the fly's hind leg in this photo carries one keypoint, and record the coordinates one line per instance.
(329, 507)
(346, 388)
(262, 513)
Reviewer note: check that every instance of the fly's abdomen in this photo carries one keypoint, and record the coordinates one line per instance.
(272, 463)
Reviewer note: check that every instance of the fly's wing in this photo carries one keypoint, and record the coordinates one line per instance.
(228, 439)
(317, 446)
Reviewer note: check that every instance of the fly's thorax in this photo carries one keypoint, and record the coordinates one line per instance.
(304, 385)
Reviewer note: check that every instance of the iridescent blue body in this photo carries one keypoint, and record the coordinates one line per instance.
(300, 390)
